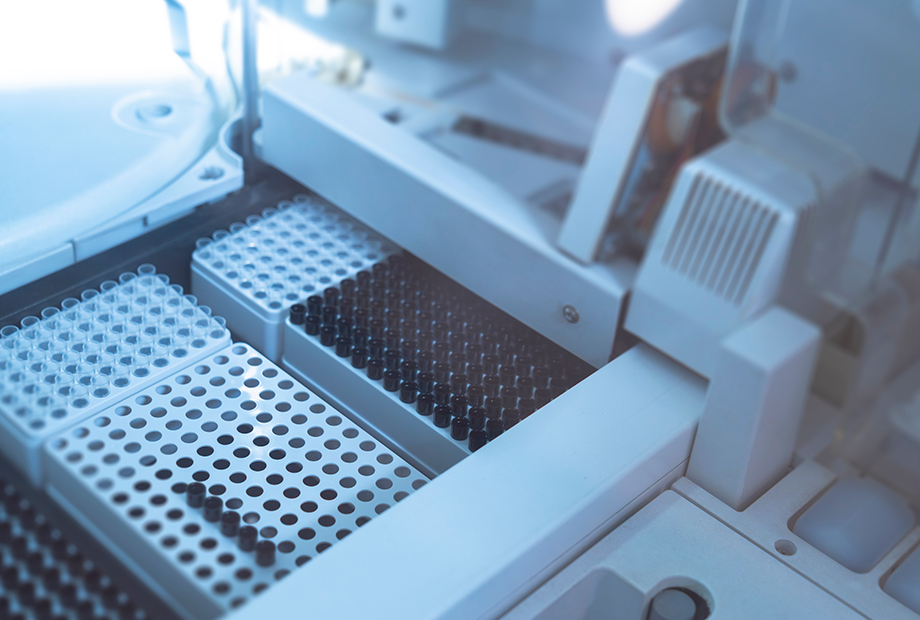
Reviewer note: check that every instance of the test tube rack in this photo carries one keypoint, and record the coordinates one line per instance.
(176, 480)
(422, 361)
(252, 273)
(81, 357)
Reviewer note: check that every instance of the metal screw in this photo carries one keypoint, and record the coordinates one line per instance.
(570, 314)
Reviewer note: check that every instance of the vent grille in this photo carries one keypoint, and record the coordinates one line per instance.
(719, 238)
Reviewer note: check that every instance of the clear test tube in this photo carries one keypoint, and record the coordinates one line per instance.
(79, 396)
(51, 313)
(127, 277)
(50, 372)
(159, 288)
(140, 365)
(129, 330)
(65, 383)
(218, 327)
(64, 332)
(56, 349)
(139, 305)
(121, 376)
(69, 303)
(106, 287)
(8, 331)
(77, 340)
(145, 282)
(88, 297)
(146, 269)
(123, 353)
(34, 360)
(200, 326)
(84, 374)
(21, 348)
(100, 387)
(185, 320)
(69, 363)
(29, 327)
(252, 220)
(9, 337)
(179, 344)
(91, 352)
(160, 356)
(145, 344)
(156, 321)
(104, 318)
(105, 365)
(204, 253)
(43, 337)
(114, 339)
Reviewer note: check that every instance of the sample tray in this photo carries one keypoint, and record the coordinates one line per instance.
(254, 272)
(258, 444)
(43, 575)
(423, 362)
(90, 353)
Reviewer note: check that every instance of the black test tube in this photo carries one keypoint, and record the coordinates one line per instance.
(247, 538)
(213, 508)
(229, 523)
(194, 494)
(298, 313)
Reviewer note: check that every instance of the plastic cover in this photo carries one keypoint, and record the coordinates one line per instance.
(830, 87)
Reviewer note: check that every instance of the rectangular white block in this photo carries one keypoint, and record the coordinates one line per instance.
(754, 406)
(430, 23)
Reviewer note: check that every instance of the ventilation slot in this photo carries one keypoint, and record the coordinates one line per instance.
(719, 239)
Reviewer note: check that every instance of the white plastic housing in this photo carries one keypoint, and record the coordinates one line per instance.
(429, 23)
(720, 253)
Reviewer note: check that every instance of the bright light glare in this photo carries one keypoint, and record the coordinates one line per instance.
(59, 42)
(316, 8)
(636, 17)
